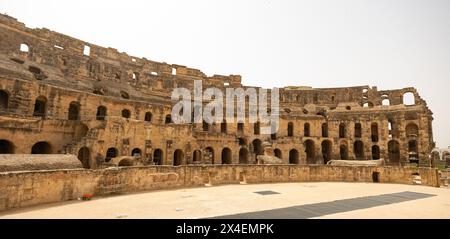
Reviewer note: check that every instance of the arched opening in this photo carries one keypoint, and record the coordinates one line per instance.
(126, 113)
(409, 98)
(326, 151)
(256, 128)
(293, 157)
(394, 152)
(310, 151)
(124, 95)
(197, 156)
(168, 119)
(226, 156)
(209, 155)
(41, 148)
(307, 130)
(413, 150)
(257, 148)
(374, 132)
(342, 130)
(111, 153)
(24, 47)
(325, 130)
(243, 156)
(84, 155)
(278, 153)
(40, 107)
(158, 157)
(375, 152)
(223, 127)
(4, 98)
(392, 129)
(386, 102)
(412, 130)
(358, 130)
(6, 147)
(240, 127)
(74, 111)
(343, 152)
(359, 150)
(290, 129)
(205, 126)
(178, 157)
(148, 117)
(101, 113)
(136, 152)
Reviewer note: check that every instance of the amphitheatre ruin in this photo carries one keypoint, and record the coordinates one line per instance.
(77, 118)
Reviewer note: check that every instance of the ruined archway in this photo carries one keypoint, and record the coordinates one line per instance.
(111, 153)
(209, 155)
(6, 147)
(325, 130)
(374, 132)
(342, 130)
(84, 155)
(41, 148)
(168, 119)
(158, 157)
(310, 150)
(278, 153)
(412, 130)
(226, 156)
(326, 151)
(148, 117)
(74, 111)
(307, 130)
(40, 106)
(394, 152)
(376, 152)
(136, 152)
(294, 157)
(178, 157)
(358, 150)
(343, 152)
(243, 156)
(358, 130)
(126, 113)
(290, 129)
(197, 156)
(257, 148)
(101, 113)
(4, 98)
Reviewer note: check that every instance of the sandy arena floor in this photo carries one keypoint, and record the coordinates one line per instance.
(234, 199)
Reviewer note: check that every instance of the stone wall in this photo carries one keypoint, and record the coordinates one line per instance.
(20, 189)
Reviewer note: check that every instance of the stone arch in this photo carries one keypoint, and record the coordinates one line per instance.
(126, 113)
(326, 151)
(41, 147)
(84, 155)
(197, 156)
(4, 100)
(136, 152)
(343, 151)
(294, 157)
(310, 150)
(374, 132)
(412, 130)
(325, 130)
(74, 111)
(290, 129)
(40, 106)
(277, 152)
(158, 157)
(168, 119)
(394, 152)
(101, 112)
(386, 102)
(6, 147)
(376, 152)
(358, 130)
(257, 148)
(227, 156)
(148, 117)
(409, 98)
(342, 130)
(307, 130)
(178, 157)
(243, 156)
(413, 149)
(209, 154)
(358, 148)
(111, 153)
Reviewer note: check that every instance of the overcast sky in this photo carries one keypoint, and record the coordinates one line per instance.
(321, 43)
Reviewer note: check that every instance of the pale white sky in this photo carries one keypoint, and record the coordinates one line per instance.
(321, 43)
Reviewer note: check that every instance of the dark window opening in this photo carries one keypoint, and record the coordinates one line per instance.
(40, 107)
(178, 157)
(41, 148)
(126, 114)
(226, 156)
(4, 98)
(307, 130)
(74, 111)
(110, 154)
(290, 129)
(358, 130)
(325, 130)
(6, 147)
(293, 157)
(342, 131)
(148, 117)
(101, 113)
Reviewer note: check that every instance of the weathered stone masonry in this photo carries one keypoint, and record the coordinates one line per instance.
(63, 95)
